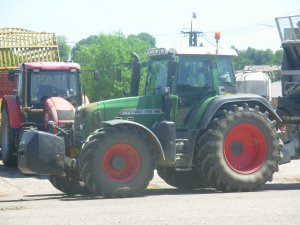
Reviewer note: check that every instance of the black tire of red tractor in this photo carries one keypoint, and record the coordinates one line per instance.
(117, 162)
(214, 162)
(8, 143)
(69, 185)
(186, 180)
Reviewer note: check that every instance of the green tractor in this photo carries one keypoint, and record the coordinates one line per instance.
(190, 125)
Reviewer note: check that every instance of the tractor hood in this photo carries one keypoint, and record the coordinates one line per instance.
(142, 109)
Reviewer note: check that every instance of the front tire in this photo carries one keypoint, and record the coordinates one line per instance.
(117, 162)
(69, 184)
(239, 150)
(8, 143)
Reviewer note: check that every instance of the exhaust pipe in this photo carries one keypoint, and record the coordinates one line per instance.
(136, 75)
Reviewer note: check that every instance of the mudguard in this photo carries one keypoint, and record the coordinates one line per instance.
(156, 143)
(221, 101)
(13, 109)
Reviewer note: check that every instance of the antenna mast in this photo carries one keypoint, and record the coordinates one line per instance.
(193, 34)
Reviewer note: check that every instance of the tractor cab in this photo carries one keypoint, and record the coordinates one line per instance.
(49, 91)
(39, 81)
(190, 74)
(191, 70)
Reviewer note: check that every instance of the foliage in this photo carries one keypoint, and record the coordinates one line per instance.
(63, 47)
(252, 56)
(105, 53)
(108, 52)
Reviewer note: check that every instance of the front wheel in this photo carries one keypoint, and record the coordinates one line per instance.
(117, 162)
(8, 144)
(69, 184)
(240, 149)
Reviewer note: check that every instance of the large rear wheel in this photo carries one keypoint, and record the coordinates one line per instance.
(8, 142)
(240, 149)
(117, 162)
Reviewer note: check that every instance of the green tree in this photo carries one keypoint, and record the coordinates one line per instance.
(147, 38)
(63, 47)
(106, 53)
(278, 56)
(252, 56)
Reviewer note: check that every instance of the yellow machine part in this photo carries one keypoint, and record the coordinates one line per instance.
(20, 46)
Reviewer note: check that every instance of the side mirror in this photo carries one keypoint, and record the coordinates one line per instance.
(96, 75)
(11, 75)
(119, 74)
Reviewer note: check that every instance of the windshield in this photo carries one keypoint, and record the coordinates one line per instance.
(54, 83)
(157, 77)
(225, 71)
(194, 72)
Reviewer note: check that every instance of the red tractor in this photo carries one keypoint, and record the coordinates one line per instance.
(47, 91)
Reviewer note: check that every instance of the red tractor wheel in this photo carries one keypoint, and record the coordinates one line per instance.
(117, 162)
(121, 162)
(239, 150)
(245, 148)
(8, 144)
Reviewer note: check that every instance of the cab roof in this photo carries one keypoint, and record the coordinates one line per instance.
(203, 51)
(191, 51)
(50, 65)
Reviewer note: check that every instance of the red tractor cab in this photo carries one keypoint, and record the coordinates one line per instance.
(47, 91)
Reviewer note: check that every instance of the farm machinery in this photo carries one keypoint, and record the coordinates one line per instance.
(18, 46)
(189, 125)
(35, 87)
(288, 106)
(46, 91)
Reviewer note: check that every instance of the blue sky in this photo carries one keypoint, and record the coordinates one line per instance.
(242, 23)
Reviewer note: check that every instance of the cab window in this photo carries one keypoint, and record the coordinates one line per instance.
(157, 77)
(225, 71)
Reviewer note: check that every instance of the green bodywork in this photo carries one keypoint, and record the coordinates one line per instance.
(188, 101)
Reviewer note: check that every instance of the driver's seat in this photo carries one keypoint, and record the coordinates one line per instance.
(44, 92)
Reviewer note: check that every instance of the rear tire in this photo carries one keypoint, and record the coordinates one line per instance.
(8, 142)
(117, 162)
(240, 149)
(187, 180)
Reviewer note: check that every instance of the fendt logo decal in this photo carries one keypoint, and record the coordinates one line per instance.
(126, 112)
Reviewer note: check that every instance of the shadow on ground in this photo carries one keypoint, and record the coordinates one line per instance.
(150, 192)
(13, 172)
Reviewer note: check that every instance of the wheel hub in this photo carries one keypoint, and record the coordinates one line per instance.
(236, 148)
(245, 148)
(121, 162)
(118, 162)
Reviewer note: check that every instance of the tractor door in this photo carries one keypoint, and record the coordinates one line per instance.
(194, 83)
(159, 84)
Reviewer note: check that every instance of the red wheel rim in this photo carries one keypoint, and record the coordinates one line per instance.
(121, 162)
(245, 148)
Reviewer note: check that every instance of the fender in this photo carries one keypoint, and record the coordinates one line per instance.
(221, 101)
(58, 110)
(157, 146)
(13, 110)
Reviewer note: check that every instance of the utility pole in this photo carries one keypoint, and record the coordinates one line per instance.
(193, 34)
